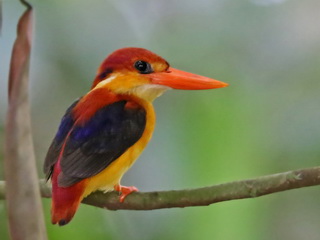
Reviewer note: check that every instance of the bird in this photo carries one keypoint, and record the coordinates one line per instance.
(103, 132)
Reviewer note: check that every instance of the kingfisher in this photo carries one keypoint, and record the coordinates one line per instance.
(103, 132)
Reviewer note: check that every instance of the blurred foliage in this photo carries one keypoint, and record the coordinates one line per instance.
(265, 122)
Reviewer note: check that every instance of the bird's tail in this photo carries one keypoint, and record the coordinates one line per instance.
(64, 205)
(65, 200)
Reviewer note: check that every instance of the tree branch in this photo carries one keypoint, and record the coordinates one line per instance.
(250, 188)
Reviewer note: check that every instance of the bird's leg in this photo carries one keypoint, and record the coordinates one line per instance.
(125, 191)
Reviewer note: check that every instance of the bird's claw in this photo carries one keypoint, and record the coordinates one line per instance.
(125, 191)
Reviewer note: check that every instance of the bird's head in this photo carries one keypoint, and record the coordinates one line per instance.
(139, 72)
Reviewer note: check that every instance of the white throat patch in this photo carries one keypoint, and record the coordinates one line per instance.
(149, 91)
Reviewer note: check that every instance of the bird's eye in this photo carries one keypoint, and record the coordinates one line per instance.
(143, 67)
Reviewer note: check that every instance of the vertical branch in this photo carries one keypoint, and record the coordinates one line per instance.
(23, 200)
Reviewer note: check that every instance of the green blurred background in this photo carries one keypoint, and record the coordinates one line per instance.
(266, 121)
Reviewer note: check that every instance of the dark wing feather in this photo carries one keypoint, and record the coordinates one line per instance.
(53, 153)
(90, 148)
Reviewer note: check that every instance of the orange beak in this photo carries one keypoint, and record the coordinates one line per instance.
(178, 79)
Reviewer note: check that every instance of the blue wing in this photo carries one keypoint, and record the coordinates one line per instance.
(90, 148)
(56, 145)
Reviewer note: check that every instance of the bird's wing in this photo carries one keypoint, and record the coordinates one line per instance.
(66, 125)
(91, 147)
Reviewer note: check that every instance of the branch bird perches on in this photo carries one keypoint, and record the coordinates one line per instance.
(250, 188)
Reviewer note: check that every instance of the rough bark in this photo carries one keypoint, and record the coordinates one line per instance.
(250, 188)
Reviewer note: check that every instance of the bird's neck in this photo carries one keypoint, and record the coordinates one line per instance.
(100, 97)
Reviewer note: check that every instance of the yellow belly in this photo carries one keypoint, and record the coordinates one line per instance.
(112, 175)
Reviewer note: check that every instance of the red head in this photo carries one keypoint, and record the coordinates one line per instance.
(140, 72)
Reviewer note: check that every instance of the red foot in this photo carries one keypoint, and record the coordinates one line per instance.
(125, 191)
